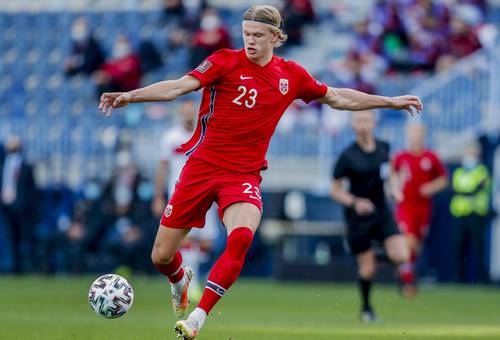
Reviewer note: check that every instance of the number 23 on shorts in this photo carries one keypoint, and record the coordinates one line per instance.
(252, 191)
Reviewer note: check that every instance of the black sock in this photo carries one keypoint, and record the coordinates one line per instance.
(364, 288)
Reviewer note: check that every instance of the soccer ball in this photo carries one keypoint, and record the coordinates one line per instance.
(111, 296)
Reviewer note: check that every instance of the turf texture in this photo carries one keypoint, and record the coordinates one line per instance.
(57, 308)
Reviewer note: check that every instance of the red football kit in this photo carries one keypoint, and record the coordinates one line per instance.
(413, 213)
(242, 104)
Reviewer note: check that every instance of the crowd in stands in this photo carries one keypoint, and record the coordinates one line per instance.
(398, 37)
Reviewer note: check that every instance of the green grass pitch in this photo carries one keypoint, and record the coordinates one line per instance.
(57, 308)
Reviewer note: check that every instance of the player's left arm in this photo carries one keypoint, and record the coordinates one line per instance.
(348, 99)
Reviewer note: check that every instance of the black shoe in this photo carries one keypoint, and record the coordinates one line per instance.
(368, 315)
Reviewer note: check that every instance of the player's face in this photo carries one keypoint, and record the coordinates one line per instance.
(415, 135)
(258, 40)
(363, 123)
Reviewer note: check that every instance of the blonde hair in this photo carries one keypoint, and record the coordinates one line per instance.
(270, 15)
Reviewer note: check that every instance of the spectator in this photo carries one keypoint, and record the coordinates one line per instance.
(122, 72)
(86, 53)
(18, 202)
(211, 37)
(297, 13)
(173, 12)
(149, 55)
(115, 229)
(463, 39)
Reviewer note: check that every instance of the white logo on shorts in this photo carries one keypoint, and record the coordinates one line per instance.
(168, 210)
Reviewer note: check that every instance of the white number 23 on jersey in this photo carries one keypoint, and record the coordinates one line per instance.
(248, 100)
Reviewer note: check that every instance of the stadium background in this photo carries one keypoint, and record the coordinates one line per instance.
(75, 151)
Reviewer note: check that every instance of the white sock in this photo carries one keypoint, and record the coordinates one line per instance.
(198, 315)
(179, 285)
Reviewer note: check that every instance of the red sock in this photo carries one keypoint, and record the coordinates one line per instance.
(173, 270)
(227, 268)
(406, 270)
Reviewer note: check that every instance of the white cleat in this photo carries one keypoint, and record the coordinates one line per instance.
(180, 299)
(186, 329)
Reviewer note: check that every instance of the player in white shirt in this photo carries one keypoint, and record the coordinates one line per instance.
(199, 242)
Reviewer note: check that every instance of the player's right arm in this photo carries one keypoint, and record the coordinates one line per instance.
(362, 206)
(167, 90)
(339, 193)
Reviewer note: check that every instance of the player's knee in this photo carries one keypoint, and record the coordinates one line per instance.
(367, 271)
(161, 256)
(399, 256)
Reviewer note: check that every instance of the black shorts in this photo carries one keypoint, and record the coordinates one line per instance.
(363, 230)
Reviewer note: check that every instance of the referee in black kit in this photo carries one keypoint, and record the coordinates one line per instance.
(365, 166)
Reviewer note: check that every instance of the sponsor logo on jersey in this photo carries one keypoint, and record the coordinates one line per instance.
(168, 210)
(284, 86)
(205, 65)
(242, 77)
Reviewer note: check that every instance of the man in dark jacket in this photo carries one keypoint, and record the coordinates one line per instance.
(17, 202)
(86, 54)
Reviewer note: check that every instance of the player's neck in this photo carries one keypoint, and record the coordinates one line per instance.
(366, 143)
(416, 150)
(262, 61)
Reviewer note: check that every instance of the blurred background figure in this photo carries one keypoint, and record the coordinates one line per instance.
(211, 36)
(297, 14)
(198, 245)
(364, 165)
(418, 174)
(121, 72)
(18, 204)
(470, 205)
(86, 54)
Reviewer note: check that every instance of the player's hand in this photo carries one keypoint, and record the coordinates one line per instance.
(412, 104)
(426, 190)
(397, 194)
(363, 206)
(112, 100)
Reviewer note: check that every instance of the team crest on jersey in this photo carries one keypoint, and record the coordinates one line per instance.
(168, 210)
(425, 164)
(205, 65)
(284, 86)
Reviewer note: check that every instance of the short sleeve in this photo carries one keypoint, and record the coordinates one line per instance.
(340, 168)
(214, 67)
(309, 88)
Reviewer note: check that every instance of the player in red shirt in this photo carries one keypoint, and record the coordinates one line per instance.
(418, 175)
(245, 93)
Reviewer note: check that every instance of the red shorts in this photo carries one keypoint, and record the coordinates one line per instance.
(414, 219)
(200, 184)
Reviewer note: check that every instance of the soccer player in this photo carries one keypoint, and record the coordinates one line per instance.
(364, 165)
(245, 93)
(417, 175)
(200, 241)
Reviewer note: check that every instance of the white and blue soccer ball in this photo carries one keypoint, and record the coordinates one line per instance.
(111, 296)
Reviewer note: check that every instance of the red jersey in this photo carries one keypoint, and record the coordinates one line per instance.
(417, 170)
(242, 104)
